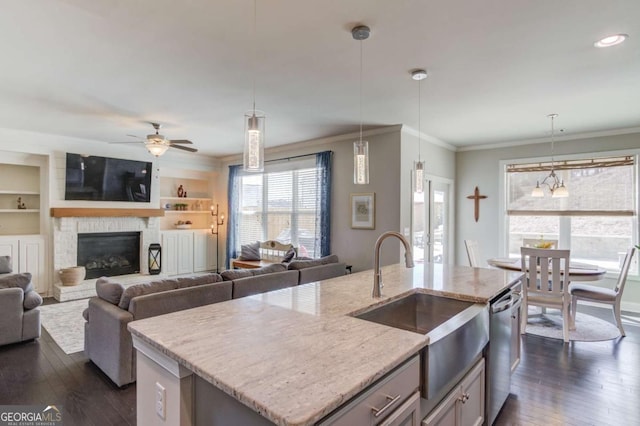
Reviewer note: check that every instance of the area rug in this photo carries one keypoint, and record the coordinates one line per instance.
(65, 324)
(588, 328)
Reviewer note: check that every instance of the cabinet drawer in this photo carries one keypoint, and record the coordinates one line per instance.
(382, 397)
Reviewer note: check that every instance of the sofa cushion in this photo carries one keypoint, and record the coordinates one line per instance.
(109, 291)
(254, 285)
(301, 264)
(146, 288)
(5, 265)
(234, 274)
(250, 251)
(32, 300)
(22, 281)
(185, 282)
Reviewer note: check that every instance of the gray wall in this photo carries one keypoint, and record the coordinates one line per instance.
(481, 168)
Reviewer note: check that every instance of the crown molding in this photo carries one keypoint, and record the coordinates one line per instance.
(562, 138)
(430, 139)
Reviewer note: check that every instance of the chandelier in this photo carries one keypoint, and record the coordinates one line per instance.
(553, 182)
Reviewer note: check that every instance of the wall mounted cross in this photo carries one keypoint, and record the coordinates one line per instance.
(476, 197)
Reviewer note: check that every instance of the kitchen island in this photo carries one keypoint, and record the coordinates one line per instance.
(292, 356)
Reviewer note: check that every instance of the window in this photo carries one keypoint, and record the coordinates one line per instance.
(598, 221)
(287, 203)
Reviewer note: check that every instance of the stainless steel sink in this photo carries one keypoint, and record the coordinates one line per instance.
(458, 331)
(418, 312)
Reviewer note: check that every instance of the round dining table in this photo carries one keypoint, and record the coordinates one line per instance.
(577, 271)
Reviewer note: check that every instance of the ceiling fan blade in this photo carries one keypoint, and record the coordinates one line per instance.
(126, 142)
(177, 141)
(184, 148)
(134, 136)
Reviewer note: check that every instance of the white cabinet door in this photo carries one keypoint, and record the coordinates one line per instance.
(169, 249)
(9, 247)
(202, 252)
(32, 255)
(472, 399)
(185, 252)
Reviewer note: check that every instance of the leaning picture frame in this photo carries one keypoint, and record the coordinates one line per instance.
(363, 210)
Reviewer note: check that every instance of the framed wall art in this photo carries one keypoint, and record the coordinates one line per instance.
(363, 211)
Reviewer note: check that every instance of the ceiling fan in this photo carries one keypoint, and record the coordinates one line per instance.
(157, 144)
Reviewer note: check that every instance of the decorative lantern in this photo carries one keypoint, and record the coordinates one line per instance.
(154, 259)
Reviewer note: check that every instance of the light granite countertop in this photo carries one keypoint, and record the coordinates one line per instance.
(295, 355)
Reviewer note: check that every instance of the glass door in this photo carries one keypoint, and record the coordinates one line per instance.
(431, 222)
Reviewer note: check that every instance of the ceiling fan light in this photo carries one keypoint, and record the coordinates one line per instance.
(156, 149)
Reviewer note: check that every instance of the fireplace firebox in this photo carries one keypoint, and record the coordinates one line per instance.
(109, 253)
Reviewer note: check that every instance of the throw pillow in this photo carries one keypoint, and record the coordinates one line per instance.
(32, 300)
(5, 265)
(109, 291)
(289, 255)
(16, 280)
(234, 274)
(276, 267)
(250, 251)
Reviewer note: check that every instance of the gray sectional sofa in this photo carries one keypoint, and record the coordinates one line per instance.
(108, 342)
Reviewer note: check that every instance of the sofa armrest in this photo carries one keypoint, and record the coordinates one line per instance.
(109, 343)
(11, 300)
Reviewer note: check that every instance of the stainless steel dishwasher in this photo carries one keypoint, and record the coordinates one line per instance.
(498, 384)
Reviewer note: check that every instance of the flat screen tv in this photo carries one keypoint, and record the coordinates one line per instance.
(107, 179)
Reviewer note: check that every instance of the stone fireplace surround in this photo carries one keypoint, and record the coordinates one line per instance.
(65, 248)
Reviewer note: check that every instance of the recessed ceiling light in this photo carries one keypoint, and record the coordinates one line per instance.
(611, 40)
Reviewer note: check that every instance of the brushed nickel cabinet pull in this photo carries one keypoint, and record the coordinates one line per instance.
(377, 412)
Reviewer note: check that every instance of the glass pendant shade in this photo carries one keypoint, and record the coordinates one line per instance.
(254, 141)
(419, 175)
(157, 148)
(537, 191)
(361, 162)
(560, 192)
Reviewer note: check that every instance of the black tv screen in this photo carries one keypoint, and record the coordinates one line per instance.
(107, 179)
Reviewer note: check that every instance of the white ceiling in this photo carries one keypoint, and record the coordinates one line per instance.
(100, 69)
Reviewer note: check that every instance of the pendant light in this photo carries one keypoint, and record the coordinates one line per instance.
(419, 75)
(553, 182)
(254, 121)
(360, 147)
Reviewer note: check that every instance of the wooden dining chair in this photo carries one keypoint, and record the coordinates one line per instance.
(545, 283)
(607, 296)
(472, 253)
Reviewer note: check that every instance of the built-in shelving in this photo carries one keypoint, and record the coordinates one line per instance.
(18, 192)
(197, 204)
(187, 211)
(19, 186)
(186, 198)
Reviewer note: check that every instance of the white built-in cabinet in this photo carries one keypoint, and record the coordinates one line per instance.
(20, 221)
(28, 254)
(464, 405)
(187, 251)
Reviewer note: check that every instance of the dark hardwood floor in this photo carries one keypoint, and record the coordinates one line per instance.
(582, 383)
